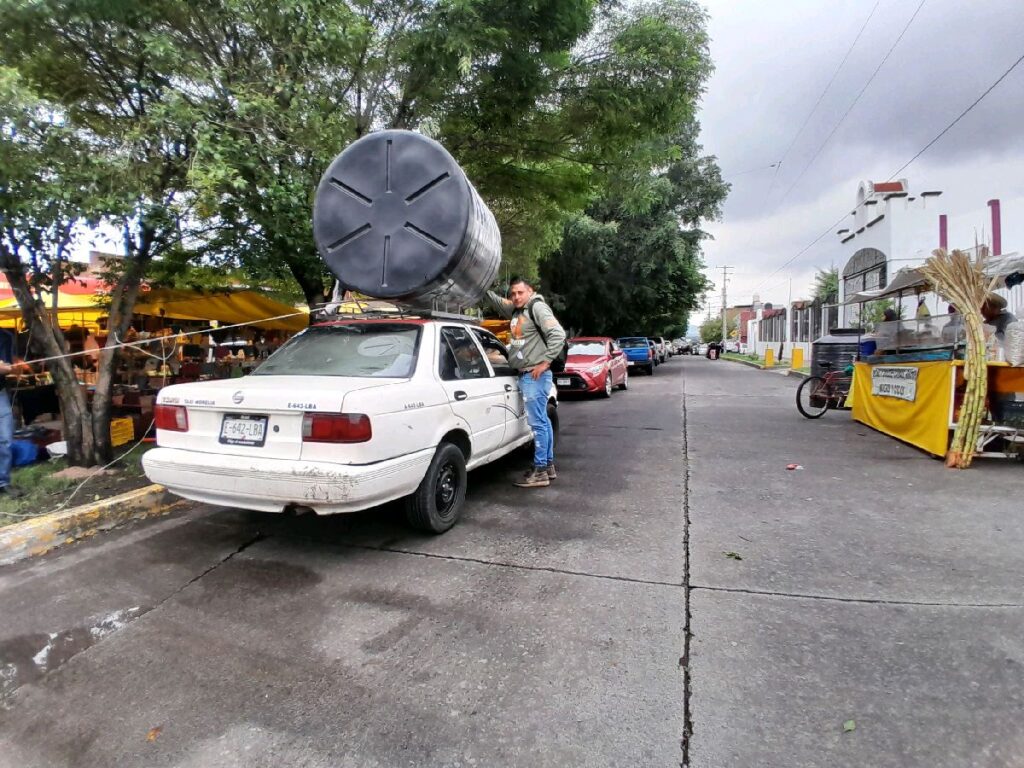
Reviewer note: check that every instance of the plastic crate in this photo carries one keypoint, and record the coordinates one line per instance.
(122, 431)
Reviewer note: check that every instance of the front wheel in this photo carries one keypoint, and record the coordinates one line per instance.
(437, 503)
(813, 397)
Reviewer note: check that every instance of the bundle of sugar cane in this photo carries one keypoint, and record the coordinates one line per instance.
(962, 280)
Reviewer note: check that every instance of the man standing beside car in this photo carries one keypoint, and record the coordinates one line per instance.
(536, 340)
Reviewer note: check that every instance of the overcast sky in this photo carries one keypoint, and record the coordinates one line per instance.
(773, 61)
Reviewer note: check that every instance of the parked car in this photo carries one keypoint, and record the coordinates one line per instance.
(654, 350)
(702, 349)
(595, 364)
(639, 352)
(349, 414)
(659, 349)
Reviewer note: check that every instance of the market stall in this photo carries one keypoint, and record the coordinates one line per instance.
(918, 402)
(909, 380)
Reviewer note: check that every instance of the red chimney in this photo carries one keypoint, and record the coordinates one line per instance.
(997, 228)
(943, 232)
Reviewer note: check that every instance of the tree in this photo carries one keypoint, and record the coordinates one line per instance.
(711, 329)
(542, 103)
(94, 131)
(826, 285)
(633, 265)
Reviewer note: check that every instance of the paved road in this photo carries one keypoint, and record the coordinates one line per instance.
(549, 627)
(544, 630)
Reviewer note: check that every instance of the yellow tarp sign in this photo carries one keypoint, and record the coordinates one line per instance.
(909, 401)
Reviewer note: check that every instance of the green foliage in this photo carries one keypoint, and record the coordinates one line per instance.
(711, 329)
(628, 267)
(872, 313)
(826, 285)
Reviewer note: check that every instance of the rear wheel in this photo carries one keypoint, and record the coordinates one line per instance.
(607, 391)
(553, 417)
(437, 503)
(650, 369)
(625, 381)
(813, 397)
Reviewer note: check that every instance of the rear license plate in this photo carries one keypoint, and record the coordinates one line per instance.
(630, 362)
(243, 429)
(562, 382)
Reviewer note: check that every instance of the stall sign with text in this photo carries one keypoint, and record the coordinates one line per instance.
(894, 381)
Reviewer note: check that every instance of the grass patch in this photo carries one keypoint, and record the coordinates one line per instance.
(44, 492)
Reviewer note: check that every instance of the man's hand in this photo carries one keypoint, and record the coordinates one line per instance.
(539, 369)
(5, 368)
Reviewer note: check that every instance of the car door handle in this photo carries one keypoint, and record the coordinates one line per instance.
(460, 395)
(508, 387)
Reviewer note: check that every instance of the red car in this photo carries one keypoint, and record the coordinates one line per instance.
(595, 364)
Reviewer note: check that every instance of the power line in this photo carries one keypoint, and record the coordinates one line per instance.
(903, 167)
(820, 99)
(854, 103)
(750, 170)
(960, 117)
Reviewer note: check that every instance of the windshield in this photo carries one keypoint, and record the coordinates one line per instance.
(633, 341)
(587, 348)
(377, 350)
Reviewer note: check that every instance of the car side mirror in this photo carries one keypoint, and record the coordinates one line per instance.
(618, 353)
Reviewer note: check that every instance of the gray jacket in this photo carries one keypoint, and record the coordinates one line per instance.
(527, 347)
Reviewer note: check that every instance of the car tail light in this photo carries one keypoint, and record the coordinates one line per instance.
(173, 418)
(336, 428)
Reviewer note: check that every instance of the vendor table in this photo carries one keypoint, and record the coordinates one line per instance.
(918, 402)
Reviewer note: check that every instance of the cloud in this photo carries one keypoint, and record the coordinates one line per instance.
(772, 62)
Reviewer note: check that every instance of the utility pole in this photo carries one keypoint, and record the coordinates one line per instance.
(725, 314)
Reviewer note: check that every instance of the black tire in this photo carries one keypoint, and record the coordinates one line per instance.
(553, 416)
(650, 369)
(625, 382)
(607, 391)
(809, 399)
(437, 503)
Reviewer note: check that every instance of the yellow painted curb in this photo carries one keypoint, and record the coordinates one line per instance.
(41, 534)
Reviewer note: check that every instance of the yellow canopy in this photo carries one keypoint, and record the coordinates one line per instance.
(228, 308)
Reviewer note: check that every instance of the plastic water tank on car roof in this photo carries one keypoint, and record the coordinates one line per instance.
(396, 218)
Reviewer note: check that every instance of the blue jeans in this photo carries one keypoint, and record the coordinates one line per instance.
(535, 393)
(6, 436)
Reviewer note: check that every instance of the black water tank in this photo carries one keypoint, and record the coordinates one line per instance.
(839, 347)
(396, 218)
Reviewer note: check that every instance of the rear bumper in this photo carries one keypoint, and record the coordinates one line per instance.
(272, 485)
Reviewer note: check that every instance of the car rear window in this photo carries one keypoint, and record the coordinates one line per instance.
(377, 350)
(631, 341)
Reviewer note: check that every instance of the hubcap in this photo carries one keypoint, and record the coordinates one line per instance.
(446, 488)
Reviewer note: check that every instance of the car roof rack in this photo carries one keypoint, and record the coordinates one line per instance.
(355, 309)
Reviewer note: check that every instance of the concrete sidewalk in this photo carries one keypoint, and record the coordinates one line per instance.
(875, 618)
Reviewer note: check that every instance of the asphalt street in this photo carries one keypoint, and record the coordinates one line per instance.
(863, 611)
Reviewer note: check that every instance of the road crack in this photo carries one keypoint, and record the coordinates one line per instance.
(858, 600)
(684, 661)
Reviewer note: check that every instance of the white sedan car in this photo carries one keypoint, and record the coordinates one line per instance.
(349, 414)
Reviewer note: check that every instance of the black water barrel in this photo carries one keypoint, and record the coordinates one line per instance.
(396, 218)
(839, 347)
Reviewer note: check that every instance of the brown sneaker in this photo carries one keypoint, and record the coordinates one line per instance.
(551, 471)
(535, 478)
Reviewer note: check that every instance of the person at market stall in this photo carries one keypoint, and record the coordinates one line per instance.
(996, 314)
(953, 330)
(6, 435)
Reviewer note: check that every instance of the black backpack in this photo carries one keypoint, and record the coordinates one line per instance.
(558, 364)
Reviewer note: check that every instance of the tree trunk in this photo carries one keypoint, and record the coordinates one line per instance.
(47, 340)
